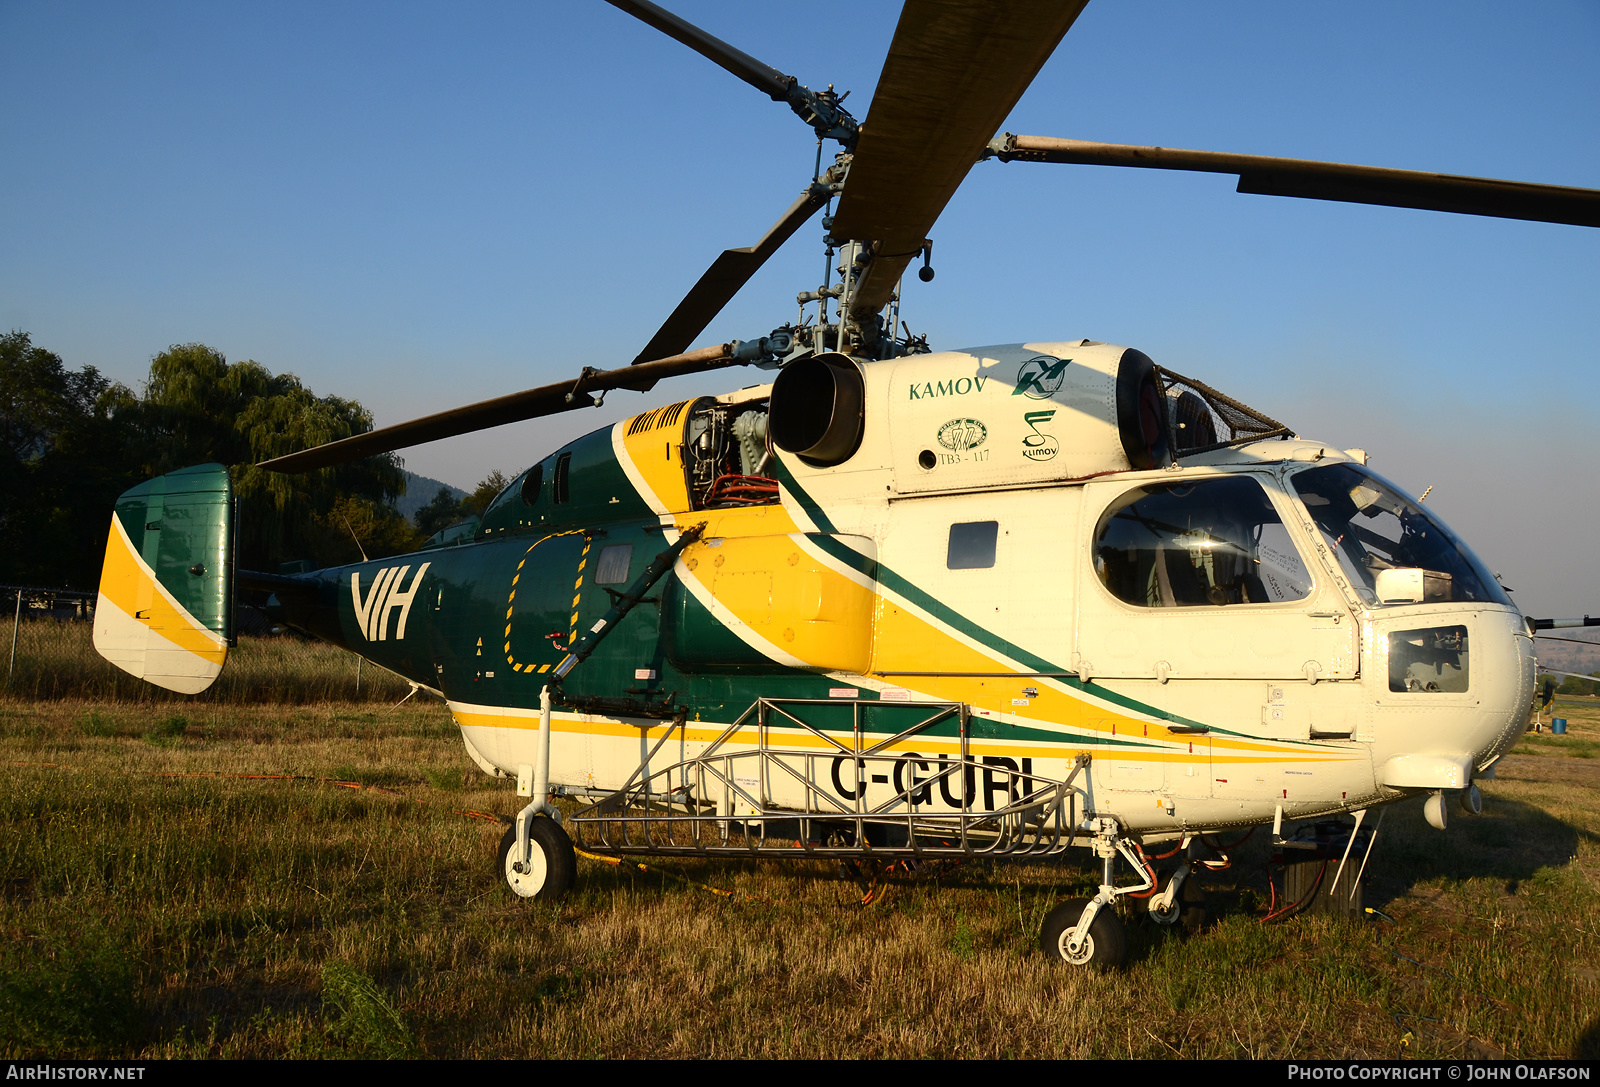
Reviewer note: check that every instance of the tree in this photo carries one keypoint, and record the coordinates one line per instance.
(71, 441)
(200, 408)
(1574, 685)
(478, 501)
(444, 511)
(357, 527)
(66, 452)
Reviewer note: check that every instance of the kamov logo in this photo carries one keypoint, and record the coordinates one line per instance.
(372, 614)
(1040, 377)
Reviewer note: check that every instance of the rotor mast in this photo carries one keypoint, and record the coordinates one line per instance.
(854, 328)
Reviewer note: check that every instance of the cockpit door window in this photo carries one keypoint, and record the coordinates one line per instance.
(1215, 542)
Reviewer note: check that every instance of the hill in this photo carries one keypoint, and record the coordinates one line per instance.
(1567, 655)
(420, 490)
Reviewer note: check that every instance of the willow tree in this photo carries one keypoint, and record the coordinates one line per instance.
(72, 440)
(201, 408)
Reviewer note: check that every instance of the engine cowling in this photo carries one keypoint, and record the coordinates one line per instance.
(1018, 414)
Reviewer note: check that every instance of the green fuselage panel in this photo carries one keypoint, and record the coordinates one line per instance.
(485, 622)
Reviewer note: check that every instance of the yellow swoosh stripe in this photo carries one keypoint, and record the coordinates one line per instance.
(129, 583)
(699, 732)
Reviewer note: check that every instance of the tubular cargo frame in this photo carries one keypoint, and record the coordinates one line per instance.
(719, 803)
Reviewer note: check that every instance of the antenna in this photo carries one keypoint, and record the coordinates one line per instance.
(353, 536)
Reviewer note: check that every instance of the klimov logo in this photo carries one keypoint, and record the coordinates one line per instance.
(385, 595)
(960, 434)
(1040, 377)
(1038, 445)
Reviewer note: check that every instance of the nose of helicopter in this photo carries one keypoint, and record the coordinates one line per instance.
(1509, 667)
(1455, 687)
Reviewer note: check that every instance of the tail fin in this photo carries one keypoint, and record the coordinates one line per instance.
(165, 612)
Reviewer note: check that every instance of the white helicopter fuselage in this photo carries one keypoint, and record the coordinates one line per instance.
(1203, 630)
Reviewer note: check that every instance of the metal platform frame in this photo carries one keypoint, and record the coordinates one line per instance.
(719, 802)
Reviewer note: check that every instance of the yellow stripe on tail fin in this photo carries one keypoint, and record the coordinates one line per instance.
(165, 610)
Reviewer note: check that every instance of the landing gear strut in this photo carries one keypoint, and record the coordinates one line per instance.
(1182, 902)
(536, 856)
(1087, 932)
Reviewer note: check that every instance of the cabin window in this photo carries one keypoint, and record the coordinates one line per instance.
(531, 484)
(972, 545)
(1432, 660)
(558, 486)
(1212, 543)
(612, 569)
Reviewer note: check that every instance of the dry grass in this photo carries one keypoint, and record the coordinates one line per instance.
(170, 916)
(55, 660)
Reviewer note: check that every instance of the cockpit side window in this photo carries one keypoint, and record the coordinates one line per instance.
(1216, 542)
(559, 490)
(532, 481)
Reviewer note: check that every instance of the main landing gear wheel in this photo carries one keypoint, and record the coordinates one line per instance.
(1189, 910)
(553, 867)
(1107, 942)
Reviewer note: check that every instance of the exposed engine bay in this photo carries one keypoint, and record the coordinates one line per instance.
(727, 455)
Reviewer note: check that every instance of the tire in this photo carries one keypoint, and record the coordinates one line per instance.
(1166, 917)
(555, 866)
(1189, 910)
(1106, 945)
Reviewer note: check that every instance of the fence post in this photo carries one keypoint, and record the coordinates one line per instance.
(15, 623)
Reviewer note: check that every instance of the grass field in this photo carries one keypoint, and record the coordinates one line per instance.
(55, 660)
(161, 899)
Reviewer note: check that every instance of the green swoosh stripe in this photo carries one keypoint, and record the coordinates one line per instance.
(942, 612)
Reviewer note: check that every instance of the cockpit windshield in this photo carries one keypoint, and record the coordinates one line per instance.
(1371, 527)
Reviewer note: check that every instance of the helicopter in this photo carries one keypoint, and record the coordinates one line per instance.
(899, 603)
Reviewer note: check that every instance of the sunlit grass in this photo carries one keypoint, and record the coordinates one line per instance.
(160, 898)
(219, 903)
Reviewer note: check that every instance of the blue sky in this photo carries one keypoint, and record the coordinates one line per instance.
(424, 205)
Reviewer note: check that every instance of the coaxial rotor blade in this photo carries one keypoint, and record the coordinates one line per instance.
(954, 70)
(762, 77)
(1327, 180)
(545, 400)
(821, 111)
(729, 272)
